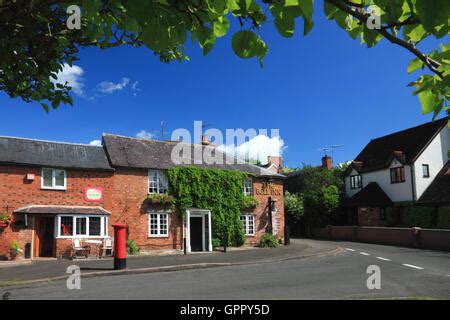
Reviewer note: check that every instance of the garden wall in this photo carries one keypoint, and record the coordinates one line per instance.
(435, 239)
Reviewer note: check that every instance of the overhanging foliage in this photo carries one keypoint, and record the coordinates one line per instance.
(35, 41)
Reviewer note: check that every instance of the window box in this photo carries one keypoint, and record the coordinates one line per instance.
(156, 198)
(249, 202)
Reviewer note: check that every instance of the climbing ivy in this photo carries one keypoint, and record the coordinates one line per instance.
(217, 190)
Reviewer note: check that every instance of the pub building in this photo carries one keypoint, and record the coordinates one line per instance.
(55, 197)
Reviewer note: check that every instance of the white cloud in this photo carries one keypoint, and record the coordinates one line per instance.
(95, 143)
(110, 87)
(258, 148)
(144, 135)
(134, 88)
(73, 76)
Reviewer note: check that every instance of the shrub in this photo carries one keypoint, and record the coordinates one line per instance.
(416, 216)
(268, 241)
(443, 221)
(132, 247)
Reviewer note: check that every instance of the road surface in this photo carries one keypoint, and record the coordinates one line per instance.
(405, 273)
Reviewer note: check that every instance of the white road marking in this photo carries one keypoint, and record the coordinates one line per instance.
(384, 259)
(348, 249)
(412, 266)
(364, 254)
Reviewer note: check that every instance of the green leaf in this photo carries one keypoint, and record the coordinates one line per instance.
(429, 101)
(414, 65)
(45, 107)
(221, 26)
(285, 24)
(433, 14)
(414, 33)
(206, 39)
(246, 44)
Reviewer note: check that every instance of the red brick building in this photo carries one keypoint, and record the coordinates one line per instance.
(57, 192)
(52, 192)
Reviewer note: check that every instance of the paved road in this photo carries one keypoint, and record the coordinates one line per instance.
(405, 273)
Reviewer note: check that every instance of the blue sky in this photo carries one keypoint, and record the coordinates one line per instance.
(319, 90)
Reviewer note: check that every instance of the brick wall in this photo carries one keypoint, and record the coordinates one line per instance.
(17, 192)
(275, 191)
(124, 194)
(369, 217)
(130, 190)
(433, 239)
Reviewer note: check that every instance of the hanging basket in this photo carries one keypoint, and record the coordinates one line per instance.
(3, 224)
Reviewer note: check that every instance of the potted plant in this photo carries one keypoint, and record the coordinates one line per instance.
(4, 220)
(15, 250)
(163, 199)
(249, 202)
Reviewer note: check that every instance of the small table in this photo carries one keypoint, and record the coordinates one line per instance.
(98, 243)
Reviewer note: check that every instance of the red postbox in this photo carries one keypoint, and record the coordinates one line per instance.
(120, 246)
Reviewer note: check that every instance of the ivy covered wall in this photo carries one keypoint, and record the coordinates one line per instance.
(220, 191)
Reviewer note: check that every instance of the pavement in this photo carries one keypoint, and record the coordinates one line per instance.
(43, 271)
(405, 273)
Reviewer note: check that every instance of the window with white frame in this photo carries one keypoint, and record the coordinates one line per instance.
(158, 224)
(248, 187)
(157, 182)
(53, 179)
(248, 222)
(82, 226)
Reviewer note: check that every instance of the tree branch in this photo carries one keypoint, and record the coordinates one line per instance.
(363, 17)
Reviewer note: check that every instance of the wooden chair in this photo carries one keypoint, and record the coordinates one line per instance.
(79, 250)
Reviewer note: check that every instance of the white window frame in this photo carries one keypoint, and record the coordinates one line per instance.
(158, 225)
(54, 186)
(248, 189)
(103, 226)
(247, 217)
(159, 172)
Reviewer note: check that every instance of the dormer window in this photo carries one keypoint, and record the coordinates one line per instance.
(157, 182)
(398, 175)
(53, 179)
(356, 181)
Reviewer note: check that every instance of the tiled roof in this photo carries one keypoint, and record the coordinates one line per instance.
(438, 191)
(41, 209)
(372, 196)
(405, 146)
(154, 154)
(41, 153)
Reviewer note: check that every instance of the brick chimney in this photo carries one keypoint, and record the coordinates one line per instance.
(274, 164)
(327, 163)
(205, 140)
